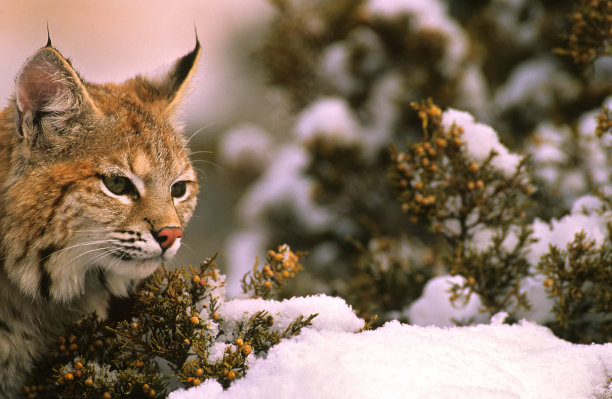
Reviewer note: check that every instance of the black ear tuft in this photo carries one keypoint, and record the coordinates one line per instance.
(181, 71)
(48, 37)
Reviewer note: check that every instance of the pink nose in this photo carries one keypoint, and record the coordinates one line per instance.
(166, 236)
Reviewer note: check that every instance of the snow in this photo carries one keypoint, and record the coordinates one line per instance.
(480, 140)
(333, 313)
(538, 84)
(561, 232)
(403, 361)
(335, 68)
(428, 15)
(435, 308)
(596, 161)
(284, 184)
(329, 119)
(247, 145)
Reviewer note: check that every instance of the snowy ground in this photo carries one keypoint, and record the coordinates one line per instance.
(403, 361)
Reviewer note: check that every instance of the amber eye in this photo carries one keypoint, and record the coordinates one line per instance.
(178, 189)
(119, 185)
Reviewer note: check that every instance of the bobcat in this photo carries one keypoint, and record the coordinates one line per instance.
(95, 189)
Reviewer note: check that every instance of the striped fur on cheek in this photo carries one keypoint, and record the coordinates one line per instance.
(42, 225)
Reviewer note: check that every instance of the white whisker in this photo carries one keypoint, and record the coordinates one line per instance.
(87, 252)
(81, 244)
(198, 132)
(183, 244)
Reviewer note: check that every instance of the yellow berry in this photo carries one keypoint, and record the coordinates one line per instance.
(215, 316)
(196, 382)
(89, 382)
(231, 375)
(239, 342)
(106, 395)
(73, 347)
(474, 167)
(471, 185)
(418, 185)
(68, 376)
(548, 283)
(441, 142)
(146, 388)
(246, 349)
(195, 320)
(479, 184)
(268, 285)
(199, 372)
(196, 279)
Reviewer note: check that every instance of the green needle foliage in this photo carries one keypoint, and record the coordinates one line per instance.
(175, 326)
(439, 185)
(580, 281)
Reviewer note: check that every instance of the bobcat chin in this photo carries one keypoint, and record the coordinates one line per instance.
(96, 187)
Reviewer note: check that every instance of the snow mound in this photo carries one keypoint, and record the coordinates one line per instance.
(333, 312)
(402, 361)
(480, 140)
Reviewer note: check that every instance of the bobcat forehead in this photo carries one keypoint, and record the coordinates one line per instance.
(96, 187)
(141, 164)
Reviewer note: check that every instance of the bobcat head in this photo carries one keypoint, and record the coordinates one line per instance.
(96, 181)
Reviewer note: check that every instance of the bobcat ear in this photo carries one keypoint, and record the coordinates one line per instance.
(175, 84)
(49, 89)
(168, 89)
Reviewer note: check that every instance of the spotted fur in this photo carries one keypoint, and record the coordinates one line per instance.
(89, 176)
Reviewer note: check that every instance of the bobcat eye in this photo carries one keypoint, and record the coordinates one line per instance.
(119, 185)
(178, 189)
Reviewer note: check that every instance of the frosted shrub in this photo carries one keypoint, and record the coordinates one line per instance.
(477, 196)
